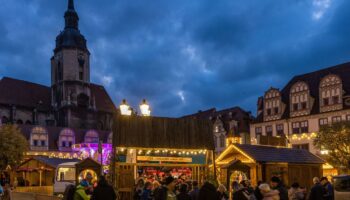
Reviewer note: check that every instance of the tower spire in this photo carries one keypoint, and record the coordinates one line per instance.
(70, 4)
(71, 17)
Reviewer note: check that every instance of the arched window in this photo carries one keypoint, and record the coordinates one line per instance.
(110, 138)
(331, 92)
(66, 138)
(299, 97)
(91, 137)
(39, 138)
(222, 140)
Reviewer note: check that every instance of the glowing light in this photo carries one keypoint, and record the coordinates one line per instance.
(144, 107)
(125, 108)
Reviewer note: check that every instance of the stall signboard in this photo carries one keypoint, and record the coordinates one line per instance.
(165, 159)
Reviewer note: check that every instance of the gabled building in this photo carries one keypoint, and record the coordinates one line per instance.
(232, 123)
(307, 102)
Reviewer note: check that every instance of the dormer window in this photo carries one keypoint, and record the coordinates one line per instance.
(39, 138)
(91, 137)
(300, 99)
(66, 139)
(273, 106)
(331, 93)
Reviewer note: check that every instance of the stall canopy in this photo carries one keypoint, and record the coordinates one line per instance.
(159, 132)
(51, 163)
(259, 153)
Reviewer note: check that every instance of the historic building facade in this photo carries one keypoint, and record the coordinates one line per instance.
(306, 103)
(71, 116)
(228, 124)
(71, 100)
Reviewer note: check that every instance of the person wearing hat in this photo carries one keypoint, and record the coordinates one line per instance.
(80, 193)
(166, 192)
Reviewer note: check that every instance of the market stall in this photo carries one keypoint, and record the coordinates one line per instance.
(154, 147)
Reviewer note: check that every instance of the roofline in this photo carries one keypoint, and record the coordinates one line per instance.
(234, 147)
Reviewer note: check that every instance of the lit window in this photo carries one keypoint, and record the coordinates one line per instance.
(91, 137)
(296, 127)
(323, 121)
(66, 138)
(336, 119)
(268, 130)
(279, 128)
(39, 137)
(258, 131)
(304, 127)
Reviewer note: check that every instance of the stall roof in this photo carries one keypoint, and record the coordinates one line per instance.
(160, 132)
(53, 162)
(261, 153)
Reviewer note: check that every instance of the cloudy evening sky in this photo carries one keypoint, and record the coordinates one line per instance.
(181, 55)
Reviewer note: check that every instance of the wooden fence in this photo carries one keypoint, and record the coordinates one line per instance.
(43, 190)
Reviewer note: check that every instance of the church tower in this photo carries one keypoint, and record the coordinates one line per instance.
(70, 76)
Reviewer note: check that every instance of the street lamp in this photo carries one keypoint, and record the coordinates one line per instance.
(144, 107)
(125, 108)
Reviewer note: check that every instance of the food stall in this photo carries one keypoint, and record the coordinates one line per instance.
(154, 147)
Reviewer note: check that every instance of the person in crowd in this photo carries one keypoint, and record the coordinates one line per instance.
(183, 195)
(166, 192)
(147, 191)
(257, 192)
(138, 189)
(267, 193)
(317, 191)
(195, 190)
(7, 193)
(295, 192)
(155, 186)
(235, 186)
(241, 192)
(103, 191)
(328, 189)
(222, 192)
(277, 184)
(207, 192)
(80, 192)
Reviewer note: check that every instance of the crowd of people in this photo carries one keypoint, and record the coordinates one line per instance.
(175, 189)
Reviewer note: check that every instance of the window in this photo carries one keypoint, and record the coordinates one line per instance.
(347, 117)
(268, 111)
(268, 130)
(325, 101)
(258, 131)
(295, 127)
(222, 141)
(335, 99)
(304, 127)
(323, 121)
(66, 138)
(336, 119)
(39, 137)
(342, 184)
(81, 76)
(279, 128)
(303, 105)
(295, 106)
(275, 110)
(66, 174)
(301, 146)
(91, 137)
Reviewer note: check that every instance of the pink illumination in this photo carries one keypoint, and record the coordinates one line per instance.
(91, 150)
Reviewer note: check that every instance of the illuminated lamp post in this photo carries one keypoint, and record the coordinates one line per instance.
(144, 107)
(125, 108)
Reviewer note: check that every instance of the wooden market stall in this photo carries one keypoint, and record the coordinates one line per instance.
(257, 162)
(39, 170)
(85, 166)
(153, 146)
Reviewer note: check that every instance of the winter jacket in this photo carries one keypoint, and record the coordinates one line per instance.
(241, 194)
(104, 192)
(283, 192)
(208, 192)
(146, 194)
(295, 194)
(80, 193)
(317, 192)
(328, 189)
(183, 196)
(272, 195)
(194, 193)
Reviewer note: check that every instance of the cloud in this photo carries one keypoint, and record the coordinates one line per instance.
(182, 56)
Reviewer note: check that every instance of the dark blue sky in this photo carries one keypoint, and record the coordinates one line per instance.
(183, 55)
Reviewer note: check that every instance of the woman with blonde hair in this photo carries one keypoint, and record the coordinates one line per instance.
(267, 193)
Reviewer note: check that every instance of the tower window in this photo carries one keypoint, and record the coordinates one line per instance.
(81, 75)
